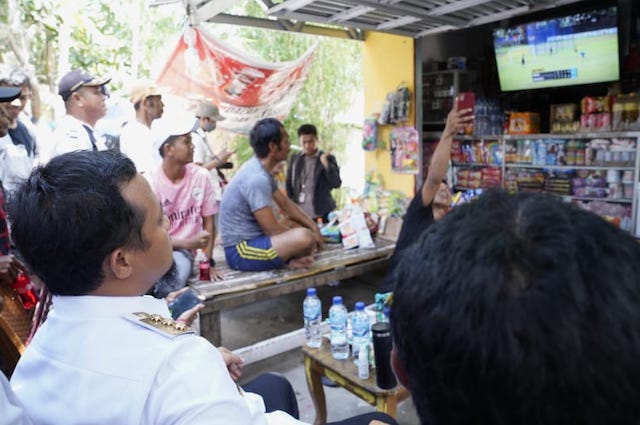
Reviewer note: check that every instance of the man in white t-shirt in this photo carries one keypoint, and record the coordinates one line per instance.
(187, 197)
(136, 138)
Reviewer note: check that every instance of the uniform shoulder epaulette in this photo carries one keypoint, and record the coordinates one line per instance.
(160, 324)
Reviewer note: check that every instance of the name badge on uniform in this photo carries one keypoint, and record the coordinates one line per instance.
(301, 197)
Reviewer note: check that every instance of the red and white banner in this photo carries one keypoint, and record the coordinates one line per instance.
(245, 89)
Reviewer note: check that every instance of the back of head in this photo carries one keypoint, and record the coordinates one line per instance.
(265, 131)
(307, 129)
(70, 214)
(520, 309)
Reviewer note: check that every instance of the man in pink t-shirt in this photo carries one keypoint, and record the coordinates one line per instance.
(187, 197)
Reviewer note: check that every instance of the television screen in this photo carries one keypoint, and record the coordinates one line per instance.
(581, 48)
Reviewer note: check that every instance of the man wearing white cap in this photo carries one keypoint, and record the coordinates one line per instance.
(135, 139)
(187, 197)
(84, 99)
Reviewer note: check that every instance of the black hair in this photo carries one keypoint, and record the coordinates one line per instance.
(69, 215)
(264, 132)
(520, 309)
(307, 129)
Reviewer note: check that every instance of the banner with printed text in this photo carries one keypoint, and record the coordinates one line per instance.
(245, 89)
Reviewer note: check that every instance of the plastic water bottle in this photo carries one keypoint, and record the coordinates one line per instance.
(338, 323)
(360, 328)
(312, 310)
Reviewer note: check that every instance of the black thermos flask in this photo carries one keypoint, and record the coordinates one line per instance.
(381, 334)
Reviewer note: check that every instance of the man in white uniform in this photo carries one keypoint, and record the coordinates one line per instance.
(136, 139)
(107, 354)
(84, 99)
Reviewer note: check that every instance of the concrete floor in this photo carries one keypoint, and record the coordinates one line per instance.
(249, 324)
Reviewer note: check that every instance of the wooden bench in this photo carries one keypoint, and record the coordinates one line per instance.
(240, 288)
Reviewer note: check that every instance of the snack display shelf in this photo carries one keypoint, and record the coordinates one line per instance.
(475, 164)
(579, 135)
(459, 188)
(622, 177)
(568, 167)
(587, 198)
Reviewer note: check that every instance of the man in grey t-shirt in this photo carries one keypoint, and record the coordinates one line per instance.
(252, 237)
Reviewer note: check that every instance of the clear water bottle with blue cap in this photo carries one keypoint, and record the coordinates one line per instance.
(360, 328)
(312, 311)
(338, 324)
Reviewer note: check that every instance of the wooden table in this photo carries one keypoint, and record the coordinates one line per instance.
(240, 288)
(319, 362)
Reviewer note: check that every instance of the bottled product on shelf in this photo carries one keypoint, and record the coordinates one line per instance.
(597, 171)
(360, 328)
(312, 311)
(338, 324)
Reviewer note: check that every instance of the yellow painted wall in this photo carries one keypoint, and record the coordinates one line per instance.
(387, 61)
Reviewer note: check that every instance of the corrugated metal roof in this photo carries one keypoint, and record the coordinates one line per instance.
(412, 18)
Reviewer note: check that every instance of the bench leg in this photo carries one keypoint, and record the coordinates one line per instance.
(210, 327)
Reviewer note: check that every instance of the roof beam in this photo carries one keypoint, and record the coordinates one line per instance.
(455, 6)
(400, 9)
(351, 13)
(399, 22)
(355, 25)
(498, 16)
(289, 6)
(207, 10)
(286, 25)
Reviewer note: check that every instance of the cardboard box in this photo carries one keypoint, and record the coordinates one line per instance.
(524, 123)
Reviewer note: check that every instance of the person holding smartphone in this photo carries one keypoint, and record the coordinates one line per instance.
(433, 200)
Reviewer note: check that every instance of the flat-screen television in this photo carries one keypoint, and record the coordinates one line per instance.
(581, 48)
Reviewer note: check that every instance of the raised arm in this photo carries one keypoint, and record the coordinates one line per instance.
(440, 159)
(331, 169)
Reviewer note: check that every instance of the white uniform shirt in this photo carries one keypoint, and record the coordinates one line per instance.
(15, 163)
(70, 135)
(89, 363)
(11, 410)
(136, 142)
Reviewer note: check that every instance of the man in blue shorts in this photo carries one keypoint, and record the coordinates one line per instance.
(253, 239)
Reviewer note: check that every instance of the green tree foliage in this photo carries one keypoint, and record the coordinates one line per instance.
(101, 35)
(332, 84)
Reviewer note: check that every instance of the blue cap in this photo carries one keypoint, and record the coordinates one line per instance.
(359, 305)
(311, 291)
(7, 94)
(337, 299)
(77, 78)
